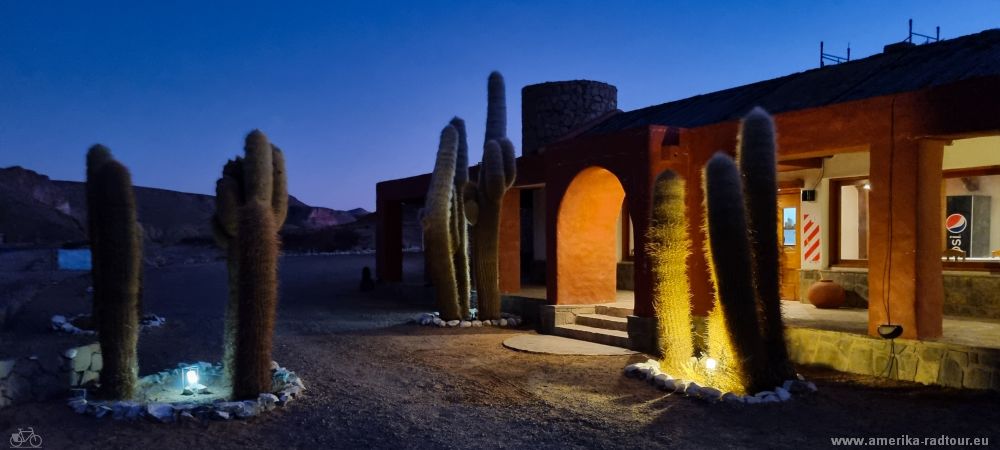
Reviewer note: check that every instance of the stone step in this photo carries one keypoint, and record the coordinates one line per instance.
(592, 334)
(614, 311)
(603, 321)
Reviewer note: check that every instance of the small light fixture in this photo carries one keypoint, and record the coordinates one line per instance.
(711, 363)
(867, 186)
(191, 376)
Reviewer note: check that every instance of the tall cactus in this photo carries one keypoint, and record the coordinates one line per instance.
(251, 187)
(117, 266)
(459, 222)
(97, 155)
(732, 260)
(668, 248)
(757, 161)
(438, 226)
(484, 199)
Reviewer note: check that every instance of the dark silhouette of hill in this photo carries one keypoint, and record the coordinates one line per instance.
(40, 211)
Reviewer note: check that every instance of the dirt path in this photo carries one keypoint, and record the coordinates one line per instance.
(377, 383)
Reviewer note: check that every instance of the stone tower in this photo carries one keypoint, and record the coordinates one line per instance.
(550, 111)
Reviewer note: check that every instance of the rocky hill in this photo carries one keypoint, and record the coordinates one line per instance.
(39, 211)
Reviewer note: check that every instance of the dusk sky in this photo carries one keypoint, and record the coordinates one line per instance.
(357, 92)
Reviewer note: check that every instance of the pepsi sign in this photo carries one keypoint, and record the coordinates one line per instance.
(967, 225)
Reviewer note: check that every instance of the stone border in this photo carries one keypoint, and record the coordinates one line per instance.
(287, 387)
(650, 371)
(35, 378)
(506, 320)
(61, 324)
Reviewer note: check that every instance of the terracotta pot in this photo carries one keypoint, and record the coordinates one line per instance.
(826, 294)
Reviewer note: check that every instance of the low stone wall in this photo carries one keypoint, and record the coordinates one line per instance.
(37, 378)
(966, 293)
(923, 362)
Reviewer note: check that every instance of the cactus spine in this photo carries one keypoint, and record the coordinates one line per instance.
(484, 200)
(251, 206)
(668, 247)
(757, 154)
(117, 266)
(439, 228)
(460, 224)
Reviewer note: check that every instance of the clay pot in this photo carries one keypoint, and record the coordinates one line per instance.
(826, 294)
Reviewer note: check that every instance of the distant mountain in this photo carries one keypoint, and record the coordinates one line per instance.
(37, 210)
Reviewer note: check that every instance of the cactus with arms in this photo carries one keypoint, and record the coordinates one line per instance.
(484, 199)
(117, 266)
(251, 206)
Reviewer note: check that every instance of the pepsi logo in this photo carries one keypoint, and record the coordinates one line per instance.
(955, 223)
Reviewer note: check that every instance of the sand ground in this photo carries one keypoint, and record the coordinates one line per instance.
(375, 382)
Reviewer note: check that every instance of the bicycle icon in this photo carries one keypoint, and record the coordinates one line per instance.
(25, 438)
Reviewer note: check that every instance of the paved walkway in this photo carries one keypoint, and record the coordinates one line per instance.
(556, 345)
(966, 331)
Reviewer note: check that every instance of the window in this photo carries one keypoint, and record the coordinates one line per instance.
(789, 217)
(971, 216)
(849, 220)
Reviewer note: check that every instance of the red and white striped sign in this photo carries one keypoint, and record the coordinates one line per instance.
(810, 241)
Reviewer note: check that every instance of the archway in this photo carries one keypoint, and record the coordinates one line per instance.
(587, 245)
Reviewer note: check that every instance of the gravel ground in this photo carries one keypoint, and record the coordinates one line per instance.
(375, 382)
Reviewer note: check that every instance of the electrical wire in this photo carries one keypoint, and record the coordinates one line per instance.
(887, 268)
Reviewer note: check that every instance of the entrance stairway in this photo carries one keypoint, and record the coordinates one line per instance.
(604, 324)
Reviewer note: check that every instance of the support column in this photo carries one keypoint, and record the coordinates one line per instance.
(904, 270)
(388, 239)
(510, 242)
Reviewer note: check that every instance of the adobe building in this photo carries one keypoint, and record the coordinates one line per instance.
(889, 173)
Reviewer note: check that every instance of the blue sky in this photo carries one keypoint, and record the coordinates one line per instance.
(357, 92)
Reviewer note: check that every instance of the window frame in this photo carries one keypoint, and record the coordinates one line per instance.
(834, 206)
(991, 266)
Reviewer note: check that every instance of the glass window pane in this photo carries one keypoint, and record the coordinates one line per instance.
(854, 219)
(971, 219)
(790, 220)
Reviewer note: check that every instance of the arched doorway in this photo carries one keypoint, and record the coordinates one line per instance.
(587, 227)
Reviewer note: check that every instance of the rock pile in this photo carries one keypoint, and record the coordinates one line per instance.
(434, 319)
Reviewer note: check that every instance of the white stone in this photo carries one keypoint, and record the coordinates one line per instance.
(220, 415)
(680, 385)
(477, 323)
(454, 323)
(693, 389)
(58, 319)
(267, 401)
(730, 397)
(101, 411)
(782, 394)
(661, 379)
(6, 367)
(465, 324)
(771, 399)
(710, 393)
(79, 405)
(70, 354)
(274, 365)
(162, 412)
(503, 322)
(787, 385)
(763, 394)
(811, 386)
(752, 400)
